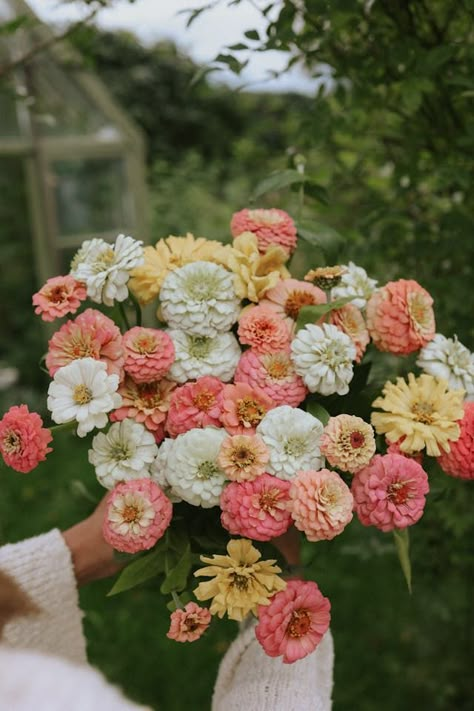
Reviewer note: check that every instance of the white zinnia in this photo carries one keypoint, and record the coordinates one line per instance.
(355, 282)
(196, 356)
(105, 268)
(323, 356)
(292, 439)
(191, 466)
(158, 471)
(125, 452)
(447, 358)
(199, 298)
(83, 391)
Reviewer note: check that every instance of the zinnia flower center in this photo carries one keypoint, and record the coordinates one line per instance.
(299, 624)
(199, 289)
(423, 412)
(199, 346)
(265, 217)
(191, 623)
(130, 514)
(249, 412)
(268, 499)
(57, 294)
(149, 396)
(12, 442)
(419, 311)
(80, 347)
(357, 440)
(120, 452)
(399, 492)
(294, 302)
(243, 457)
(104, 260)
(206, 470)
(241, 582)
(295, 446)
(145, 344)
(204, 400)
(278, 368)
(82, 394)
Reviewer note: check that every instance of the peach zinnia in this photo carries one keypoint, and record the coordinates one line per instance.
(195, 405)
(243, 457)
(149, 353)
(270, 227)
(274, 373)
(243, 408)
(350, 320)
(295, 621)
(290, 295)
(400, 317)
(189, 623)
(90, 335)
(263, 329)
(390, 492)
(348, 443)
(23, 439)
(321, 504)
(145, 402)
(60, 295)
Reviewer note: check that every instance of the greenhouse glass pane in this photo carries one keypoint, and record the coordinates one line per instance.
(91, 195)
(8, 116)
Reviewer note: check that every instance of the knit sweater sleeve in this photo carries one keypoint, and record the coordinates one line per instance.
(42, 567)
(249, 680)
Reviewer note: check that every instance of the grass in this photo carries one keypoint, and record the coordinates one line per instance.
(393, 650)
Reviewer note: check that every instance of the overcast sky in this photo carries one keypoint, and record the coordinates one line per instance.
(152, 20)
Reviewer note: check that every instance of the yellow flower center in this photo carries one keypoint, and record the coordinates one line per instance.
(130, 514)
(249, 412)
(243, 457)
(80, 346)
(265, 217)
(206, 470)
(145, 344)
(295, 301)
(82, 394)
(268, 499)
(241, 582)
(11, 442)
(299, 623)
(148, 396)
(204, 400)
(278, 367)
(106, 258)
(423, 412)
(420, 311)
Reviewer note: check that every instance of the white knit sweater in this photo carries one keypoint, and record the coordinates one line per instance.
(32, 679)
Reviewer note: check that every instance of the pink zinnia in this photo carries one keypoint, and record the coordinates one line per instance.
(400, 317)
(90, 335)
(263, 329)
(149, 353)
(243, 408)
(459, 461)
(390, 492)
(256, 509)
(321, 504)
(60, 295)
(273, 373)
(188, 624)
(349, 320)
(243, 457)
(195, 405)
(138, 514)
(289, 296)
(294, 622)
(147, 403)
(269, 226)
(23, 439)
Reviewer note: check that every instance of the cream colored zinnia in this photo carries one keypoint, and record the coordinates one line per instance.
(240, 581)
(422, 413)
(255, 273)
(169, 254)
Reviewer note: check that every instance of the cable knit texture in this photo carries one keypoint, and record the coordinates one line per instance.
(250, 680)
(42, 567)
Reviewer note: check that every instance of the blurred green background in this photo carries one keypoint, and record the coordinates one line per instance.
(388, 152)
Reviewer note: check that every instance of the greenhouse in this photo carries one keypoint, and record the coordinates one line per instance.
(77, 153)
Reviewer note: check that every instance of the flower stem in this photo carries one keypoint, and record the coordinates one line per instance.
(137, 307)
(64, 426)
(124, 316)
(177, 600)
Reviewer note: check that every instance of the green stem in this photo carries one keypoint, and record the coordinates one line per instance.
(123, 314)
(137, 307)
(64, 426)
(177, 600)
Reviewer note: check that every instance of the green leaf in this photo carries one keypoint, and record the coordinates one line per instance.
(177, 576)
(146, 567)
(314, 408)
(311, 314)
(252, 35)
(402, 543)
(237, 47)
(276, 181)
(321, 236)
(315, 190)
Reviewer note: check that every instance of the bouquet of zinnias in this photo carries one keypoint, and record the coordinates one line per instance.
(231, 420)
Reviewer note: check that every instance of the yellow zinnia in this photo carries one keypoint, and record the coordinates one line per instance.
(169, 254)
(421, 413)
(255, 273)
(240, 581)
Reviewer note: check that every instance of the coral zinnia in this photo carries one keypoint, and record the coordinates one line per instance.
(290, 295)
(147, 403)
(23, 439)
(149, 353)
(400, 317)
(423, 412)
(189, 623)
(348, 443)
(60, 295)
(295, 621)
(270, 227)
(264, 330)
(321, 504)
(459, 461)
(390, 492)
(240, 581)
(195, 405)
(243, 408)
(274, 373)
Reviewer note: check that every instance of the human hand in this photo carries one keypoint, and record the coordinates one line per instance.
(92, 557)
